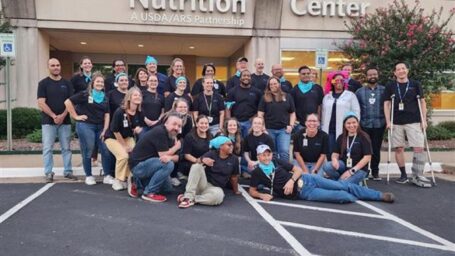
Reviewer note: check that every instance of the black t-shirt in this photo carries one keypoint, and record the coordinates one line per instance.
(218, 87)
(152, 105)
(109, 83)
(94, 111)
(232, 82)
(118, 123)
(360, 148)
(173, 97)
(286, 86)
(411, 113)
(154, 141)
(215, 103)
(277, 114)
(316, 145)
(354, 85)
(142, 88)
(222, 170)
(246, 102)
(282, 176)
(79, 83)
(195, 146)
(170, 86)
(307, 103)
(260, 81)
(251, 142)
(55, 93)
(115, 98)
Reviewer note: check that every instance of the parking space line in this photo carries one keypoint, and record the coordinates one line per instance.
(410, 226)
(288, 237)
(322, 209)
(363, 235)
(24, 202)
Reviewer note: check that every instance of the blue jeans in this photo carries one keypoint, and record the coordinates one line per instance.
(244, 127)
(152, 174)
(89, 135)
(309, 166)
(335, 174)
(297, 128)
(49, 134)
(282, 140)
(320, 189)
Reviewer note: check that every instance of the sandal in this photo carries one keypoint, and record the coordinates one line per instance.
(179, 198)
(186, 202)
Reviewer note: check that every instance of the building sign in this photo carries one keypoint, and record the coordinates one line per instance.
(194, 12)
(330, 8)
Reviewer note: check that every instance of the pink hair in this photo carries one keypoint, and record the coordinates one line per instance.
(331, 75)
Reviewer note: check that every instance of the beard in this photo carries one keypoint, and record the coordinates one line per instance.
(372, 80)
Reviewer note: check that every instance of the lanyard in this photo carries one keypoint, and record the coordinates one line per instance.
(271, 178)
(348, 148)
(209, 107)
(399, 91)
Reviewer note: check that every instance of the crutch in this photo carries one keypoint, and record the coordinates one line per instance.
(389, 137)
(426, 140)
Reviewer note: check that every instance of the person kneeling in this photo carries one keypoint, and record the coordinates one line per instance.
(286, 181)
(205, 181)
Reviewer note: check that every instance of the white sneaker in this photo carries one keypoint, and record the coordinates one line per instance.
(90, 180)
(175, 182)
(108, 179)
(118, 185)
(180, 176)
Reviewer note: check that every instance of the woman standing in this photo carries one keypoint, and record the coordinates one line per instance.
(181, 86)
(152, 103)
(208, 71)
(176, 70)
(82, 79)
(256, 137)
(210, 104)
(140, 79)
(334, 106)
(352, 153)
(278, 110)
(127, 122)
(92, 121)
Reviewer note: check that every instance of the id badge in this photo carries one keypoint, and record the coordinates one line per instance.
(210, 119)
(90, 99)
(349, 162)
(125, 123)
(305, 142)
(372, 101)
(401, 106)
(216, 86)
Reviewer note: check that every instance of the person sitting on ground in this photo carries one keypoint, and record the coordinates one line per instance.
(286, 181)
(205, 183)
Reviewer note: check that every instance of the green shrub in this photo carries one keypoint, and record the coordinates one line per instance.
(25, 121)
(449, 125)
(35, 136)
(438, 133)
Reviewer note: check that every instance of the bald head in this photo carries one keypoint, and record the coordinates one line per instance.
(54, 67)
(277, 70)
(259, 65)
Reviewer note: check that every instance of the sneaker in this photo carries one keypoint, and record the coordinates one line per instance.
(154, 198)
(180, 198)
(388, 197)
(180, 176)
(175, 182)
(186, 202)
(376, 177)
(402, 180)
(108, 179)
(70, 176)
(50, 177)
(421, 181)
(118, 185)
(132, 189)
(90, 180)
(246, 175)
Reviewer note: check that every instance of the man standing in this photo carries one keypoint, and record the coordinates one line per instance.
(52, 93)
(259, 79)
(118, 66)
(353, 85)
(277, 71)
(372, 121)
(242, 102)
(407, 123)
(152, 159)
(151, 64)
(240, 65)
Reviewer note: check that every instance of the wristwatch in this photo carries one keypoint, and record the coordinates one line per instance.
(353, 170)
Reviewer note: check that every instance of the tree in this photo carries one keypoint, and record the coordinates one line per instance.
(404, 33)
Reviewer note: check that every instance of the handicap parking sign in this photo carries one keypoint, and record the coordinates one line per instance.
(7, 45)
(321, 60)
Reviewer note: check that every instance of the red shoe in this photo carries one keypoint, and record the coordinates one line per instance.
(186, 203)
(154, 198)
(132, 189)
(180, 198)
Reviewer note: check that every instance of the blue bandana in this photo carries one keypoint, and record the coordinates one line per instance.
(98, 96)
(237, 74)
(305, 87)
(88, 77)
(150, 59)
(229, 104)
(180, 78)
(267, 169)
(282, 79)
(218, 141)
(120, 75)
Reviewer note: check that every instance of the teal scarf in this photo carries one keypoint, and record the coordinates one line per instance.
(88, 77)
(282, 79)
(98, 96)
(267, 169)
(237, 74)
(305, 87)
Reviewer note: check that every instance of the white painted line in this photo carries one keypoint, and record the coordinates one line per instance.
(24, 202)
(296, 245)
(369, 215)
(363, 235)
(39, 172)
(410, 226)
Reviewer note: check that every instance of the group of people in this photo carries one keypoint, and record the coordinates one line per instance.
(155, 131)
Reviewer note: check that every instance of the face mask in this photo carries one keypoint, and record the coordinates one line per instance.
(98, 96)
(267, 168)
(372, 80)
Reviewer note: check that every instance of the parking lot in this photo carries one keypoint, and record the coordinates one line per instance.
(75, 219)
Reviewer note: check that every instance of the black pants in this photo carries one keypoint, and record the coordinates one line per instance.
(376, 136)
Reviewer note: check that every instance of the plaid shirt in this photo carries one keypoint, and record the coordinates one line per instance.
(371, 103)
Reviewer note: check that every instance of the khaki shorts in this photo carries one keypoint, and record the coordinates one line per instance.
(413, 132)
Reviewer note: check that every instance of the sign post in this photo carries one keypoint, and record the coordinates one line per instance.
(322, 58)
(8, 50)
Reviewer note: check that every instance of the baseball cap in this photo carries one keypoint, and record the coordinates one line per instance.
(242, 59)
(262, 148)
